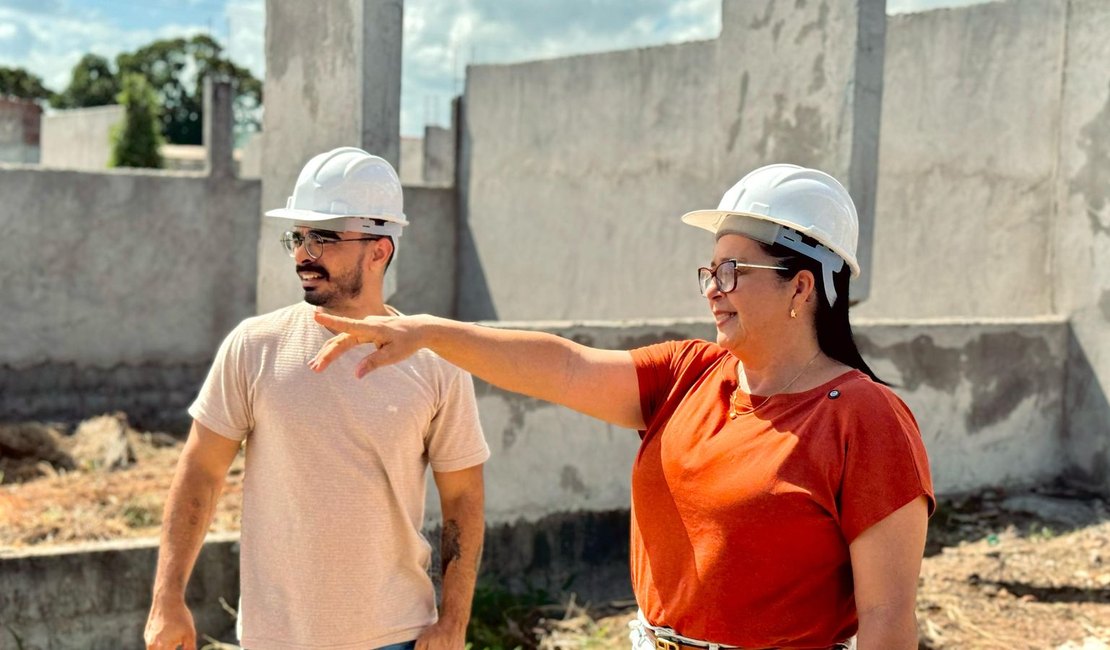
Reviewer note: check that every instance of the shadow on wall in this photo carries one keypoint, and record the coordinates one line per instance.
(1086, 418)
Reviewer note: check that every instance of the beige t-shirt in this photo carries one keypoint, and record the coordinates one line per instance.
(333, 490)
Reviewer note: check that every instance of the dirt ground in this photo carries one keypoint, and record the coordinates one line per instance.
(1016, 571)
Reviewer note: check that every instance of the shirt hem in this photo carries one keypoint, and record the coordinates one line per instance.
(260, 643)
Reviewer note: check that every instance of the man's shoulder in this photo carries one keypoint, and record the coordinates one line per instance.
(275, 322)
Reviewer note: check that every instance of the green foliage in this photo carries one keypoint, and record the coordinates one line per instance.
(93, 83)
(136, 140)
(176, 69)
(17, 82)
(502, 620)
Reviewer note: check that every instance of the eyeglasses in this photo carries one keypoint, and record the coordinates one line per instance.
(724, 276)
(313, 242)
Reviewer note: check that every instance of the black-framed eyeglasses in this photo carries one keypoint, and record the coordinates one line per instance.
(725, 275)
(314, 242)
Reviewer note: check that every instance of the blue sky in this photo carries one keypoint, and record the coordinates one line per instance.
(49, 36)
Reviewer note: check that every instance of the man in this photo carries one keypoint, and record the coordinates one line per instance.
(333, 493)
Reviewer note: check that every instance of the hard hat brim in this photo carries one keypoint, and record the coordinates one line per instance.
(311, 215)
(712, 220)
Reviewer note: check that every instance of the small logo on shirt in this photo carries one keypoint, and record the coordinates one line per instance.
(833, 394)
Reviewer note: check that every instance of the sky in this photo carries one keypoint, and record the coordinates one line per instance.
(441, 37)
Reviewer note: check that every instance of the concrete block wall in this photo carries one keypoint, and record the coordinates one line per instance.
(129, 280)
(79, 138)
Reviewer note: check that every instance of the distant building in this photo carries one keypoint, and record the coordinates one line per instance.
(19, 130)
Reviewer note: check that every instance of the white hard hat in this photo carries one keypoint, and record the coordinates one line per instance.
(347, 189)
(776, 203)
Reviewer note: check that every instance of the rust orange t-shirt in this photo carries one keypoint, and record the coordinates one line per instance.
(740, 528)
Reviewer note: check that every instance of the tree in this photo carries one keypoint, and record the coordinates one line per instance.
(93, 83)
(17, 82)
(136, 140)
(176, 69)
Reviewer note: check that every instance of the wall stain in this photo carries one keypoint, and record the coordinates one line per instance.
(768, 12)
(818, 25)
(1003, 369)
(519, 407)
(1104, 304)
(796, 140)
(1090, 180)
(777, 29)
(799, 4)
(570, 479)
(734, 130)
(818, 74)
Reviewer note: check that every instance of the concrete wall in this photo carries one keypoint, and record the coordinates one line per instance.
(412, 161)
(97, 597)
(1081, 237)
(439, 156)
(575, 171)
(79, 138)
(128, 276)
(970, 125)
(350, 94)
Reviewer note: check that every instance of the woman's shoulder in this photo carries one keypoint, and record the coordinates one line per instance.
(858, 394)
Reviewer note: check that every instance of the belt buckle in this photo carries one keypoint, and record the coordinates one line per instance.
(666, 644)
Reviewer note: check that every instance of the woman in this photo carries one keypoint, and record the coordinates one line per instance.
(781, 492)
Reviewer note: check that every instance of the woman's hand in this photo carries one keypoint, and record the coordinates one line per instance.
(396, 338)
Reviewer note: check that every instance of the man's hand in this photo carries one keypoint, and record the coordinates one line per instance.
(444, 635)
(169, 627)
(396, 337)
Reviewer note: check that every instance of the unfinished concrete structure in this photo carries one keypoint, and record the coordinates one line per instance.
(19, 130)
(988, 282)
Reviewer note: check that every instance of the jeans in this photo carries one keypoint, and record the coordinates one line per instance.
(407, 645)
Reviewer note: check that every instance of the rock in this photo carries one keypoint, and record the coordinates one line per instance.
(29, 450)
(1069, 512)
(103, 443)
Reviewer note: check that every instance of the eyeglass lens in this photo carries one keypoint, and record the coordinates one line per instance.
(312, 242)
(724, 276)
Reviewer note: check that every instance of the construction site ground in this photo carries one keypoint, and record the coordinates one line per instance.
(1014, 570)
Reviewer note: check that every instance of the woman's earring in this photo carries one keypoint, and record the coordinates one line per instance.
(793, 314)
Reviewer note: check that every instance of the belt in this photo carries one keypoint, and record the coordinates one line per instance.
(665, 642)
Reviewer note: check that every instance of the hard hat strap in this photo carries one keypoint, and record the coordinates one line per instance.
(771, 233)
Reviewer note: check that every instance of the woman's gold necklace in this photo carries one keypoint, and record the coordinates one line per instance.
(733, 410)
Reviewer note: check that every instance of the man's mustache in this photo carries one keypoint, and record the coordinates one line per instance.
(312, 268)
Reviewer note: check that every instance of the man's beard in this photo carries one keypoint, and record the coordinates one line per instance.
(338, 290)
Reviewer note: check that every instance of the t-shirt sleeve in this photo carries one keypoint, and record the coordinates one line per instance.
(224, 403)
(655, 371)
(455, 440)
(885, 465)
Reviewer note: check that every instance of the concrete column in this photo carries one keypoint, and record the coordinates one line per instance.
(333, 78)
(1082, 239)
(439, 156)
(219, 119)
(801, 82)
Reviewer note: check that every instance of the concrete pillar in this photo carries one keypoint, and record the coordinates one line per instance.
(439, 156)
(219, 119)
(333, 78)
(801, 82)
(1082, 239)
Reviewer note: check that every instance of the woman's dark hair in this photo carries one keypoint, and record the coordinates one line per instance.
(834, 331)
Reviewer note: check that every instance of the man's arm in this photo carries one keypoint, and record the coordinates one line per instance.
(886, 561)
(462, 495)
(196, 487)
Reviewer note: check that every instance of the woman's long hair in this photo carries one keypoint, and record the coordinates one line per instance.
(834, 331)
